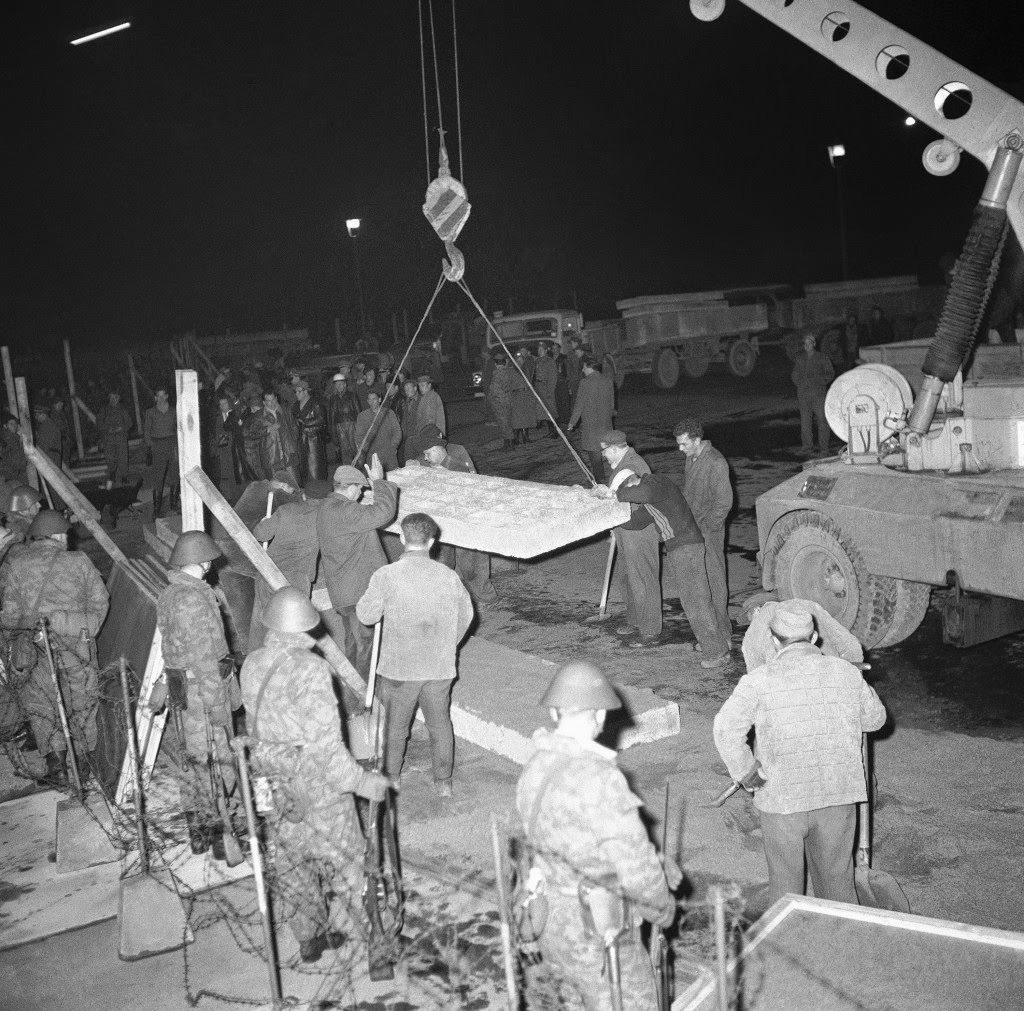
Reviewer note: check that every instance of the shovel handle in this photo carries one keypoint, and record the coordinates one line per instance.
(864, 809)
(603, 609)
(61, 710)
(133, 751)
(371, 681)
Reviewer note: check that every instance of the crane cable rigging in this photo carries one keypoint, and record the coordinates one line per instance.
(447, 207)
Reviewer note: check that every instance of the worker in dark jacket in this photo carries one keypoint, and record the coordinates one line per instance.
(350, 548)
(593, 411)
(661, 498)
(342, 411)
(311, 420)
(114, 423)
(813, 372)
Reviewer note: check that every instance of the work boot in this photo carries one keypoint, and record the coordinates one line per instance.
(312, 949)
(56, 775)
(199, 835)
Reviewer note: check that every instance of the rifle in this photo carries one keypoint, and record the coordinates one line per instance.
(383, 884)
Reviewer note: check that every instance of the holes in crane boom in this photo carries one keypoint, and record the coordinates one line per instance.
(836, 26)
(892, 62)
(953, 100)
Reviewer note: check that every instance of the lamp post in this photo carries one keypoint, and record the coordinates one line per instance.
(836, 154)
(353, 225)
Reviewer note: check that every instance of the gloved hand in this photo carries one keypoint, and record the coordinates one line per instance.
(157, 697)
(177, 688)
(218, 717)
(673, 873)
(373, 786)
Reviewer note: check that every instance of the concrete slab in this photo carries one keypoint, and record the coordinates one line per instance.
(496, 703)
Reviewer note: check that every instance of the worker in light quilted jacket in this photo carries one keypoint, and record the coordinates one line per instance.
(808, 712)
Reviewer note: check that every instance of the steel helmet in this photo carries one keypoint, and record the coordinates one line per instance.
(289, 610)
(47, 523)
(23, 497)
(192, 548)
(578, 685)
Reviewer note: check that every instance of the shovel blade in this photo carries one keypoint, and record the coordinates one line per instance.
(879, 890)
(151, 917)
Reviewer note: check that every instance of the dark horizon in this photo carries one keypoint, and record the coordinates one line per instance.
(196, 171)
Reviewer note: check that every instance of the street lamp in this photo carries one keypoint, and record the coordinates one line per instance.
(836, 154)
(353, 224)
(101, 32)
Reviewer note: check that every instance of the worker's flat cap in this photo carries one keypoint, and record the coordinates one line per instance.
(614, 438)
(792, 620)
(346, 475)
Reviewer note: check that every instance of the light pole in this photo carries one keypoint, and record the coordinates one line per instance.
(836, 154)
(353, 225)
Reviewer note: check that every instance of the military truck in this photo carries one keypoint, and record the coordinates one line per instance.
(929, 490)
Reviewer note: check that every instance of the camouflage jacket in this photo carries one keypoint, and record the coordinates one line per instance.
(581, 819)
(45, 579)
(188, 616)
(292, 715)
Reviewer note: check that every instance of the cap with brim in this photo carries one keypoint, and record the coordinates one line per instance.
(346, 475)
(337, 376)
(792, 621)
(614, 438)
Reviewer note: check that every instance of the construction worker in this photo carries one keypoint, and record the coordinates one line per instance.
(46, 581)
(292, 717)
(593, 860)
(200, 689)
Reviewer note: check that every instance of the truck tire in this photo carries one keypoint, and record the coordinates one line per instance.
(742, 358)
(665, 369)
(912, 601)
(694, 359)
(811, 558)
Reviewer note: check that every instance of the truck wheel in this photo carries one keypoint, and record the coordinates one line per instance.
(695, 360)
(912, 601)
(665, 369)
(742, 358)
(814, 560)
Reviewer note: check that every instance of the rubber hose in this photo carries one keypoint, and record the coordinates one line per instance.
(973, 279)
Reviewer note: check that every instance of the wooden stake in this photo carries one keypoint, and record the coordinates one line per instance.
(264, 565)
(135, 395)
(12, 397)
(82, 406)
(189, 446)
(74, 400)
(21, 411)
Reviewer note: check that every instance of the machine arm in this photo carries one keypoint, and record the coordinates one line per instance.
(974, 115)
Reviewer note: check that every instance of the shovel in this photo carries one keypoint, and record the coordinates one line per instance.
(150, 914)
(877, 889)
(363, 729)
(233, 855)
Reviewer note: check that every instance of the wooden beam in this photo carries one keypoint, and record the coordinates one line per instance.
(74, 400)
(201, 355)
(189, 445)
(265, 566)
(20, 410)
(12, 396)
(142, 382)
(80, 405)
(135, 395)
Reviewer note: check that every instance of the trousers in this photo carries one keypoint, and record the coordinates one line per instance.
(812, 408)
(686, 564)
(473, 568)
(164, 470)
(401, 699)
(718, 580)
(115, 455)
(79, 690)
(358, 640)
(820, 841)
(640, 554)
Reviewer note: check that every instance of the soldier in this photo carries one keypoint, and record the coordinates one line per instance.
(160, 434)
(13, 466)
(428, 612)
(350, 548)
(292, 716)
(113, 423)
(812, 373)
(586, 836)
(24, 506)
(200, 681)
(430, 409)
(45, 580)
(48, 435)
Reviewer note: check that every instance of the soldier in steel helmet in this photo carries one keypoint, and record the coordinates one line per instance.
(22, 506)
(592, 858)
(200, 687)
(46, 581)
(292, 717)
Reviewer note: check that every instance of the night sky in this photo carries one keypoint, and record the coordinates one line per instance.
(197, 170)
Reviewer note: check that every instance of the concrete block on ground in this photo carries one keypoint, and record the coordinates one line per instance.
(496, 703)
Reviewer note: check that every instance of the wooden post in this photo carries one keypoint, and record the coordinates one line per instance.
(84, 408)
(201, 355)
(135, 394)
(264, 565)
(20, 410)
(12, 396)
(74, 400)
(189, 445)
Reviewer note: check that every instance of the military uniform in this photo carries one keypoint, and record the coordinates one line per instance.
(113, 423)
(44, 579)
(581, 823)
(189, 618)
(292, 716)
